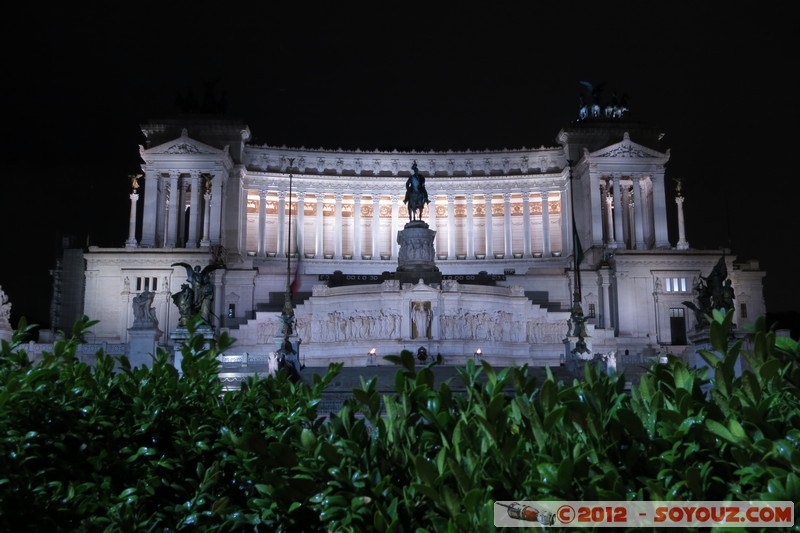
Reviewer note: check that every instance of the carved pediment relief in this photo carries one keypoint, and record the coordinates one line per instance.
(626, 148)
(183, 145)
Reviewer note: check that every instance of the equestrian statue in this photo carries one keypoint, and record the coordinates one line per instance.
(416, 195)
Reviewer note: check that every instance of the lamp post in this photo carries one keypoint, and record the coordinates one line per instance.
(372, 357)
(478, 354)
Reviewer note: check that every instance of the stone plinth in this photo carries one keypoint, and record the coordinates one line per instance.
(701, 340)
(417, 255)
(179, 337)
(291, 353)
(142, 344)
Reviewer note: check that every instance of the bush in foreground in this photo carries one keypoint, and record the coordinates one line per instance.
(114, 448)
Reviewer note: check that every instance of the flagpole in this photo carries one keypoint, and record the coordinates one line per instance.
(289, 235)
(575, 243)
(577, 320)
(288, 313)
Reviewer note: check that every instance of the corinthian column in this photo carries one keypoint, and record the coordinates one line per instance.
(451, 225)
(470, 229)
(508, 251)
(281, 247)
(337, 236)
(526, 223)
(131, 242)
(262, 223)
(357, 226)
(194, 209)
(376, 226)
(205, 242)
(682, 243)
(487, 198)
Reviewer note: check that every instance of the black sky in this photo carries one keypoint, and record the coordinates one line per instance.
(80, 80)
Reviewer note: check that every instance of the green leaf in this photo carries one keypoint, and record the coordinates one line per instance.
(426, 470)
(553, 418)
(736, 429)
(548, 395)
(452, 501)
(720, 431)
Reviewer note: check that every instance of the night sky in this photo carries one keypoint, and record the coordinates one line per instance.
(79, 81)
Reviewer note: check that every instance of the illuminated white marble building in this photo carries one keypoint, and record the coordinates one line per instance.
(207, 194)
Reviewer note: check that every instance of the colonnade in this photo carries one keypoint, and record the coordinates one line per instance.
(169, 197)
(364, 226)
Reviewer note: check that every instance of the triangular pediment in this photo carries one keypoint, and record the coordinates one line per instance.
(626, 148)
(183, 145)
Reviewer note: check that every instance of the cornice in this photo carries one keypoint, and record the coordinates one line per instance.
(393, 185)
(382, 163)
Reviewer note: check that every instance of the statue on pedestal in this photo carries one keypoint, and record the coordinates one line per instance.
(713, 292)
(144, 314)
(416, 195)
(196, 296)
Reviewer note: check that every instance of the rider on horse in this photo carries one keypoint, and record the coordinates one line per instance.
(416, 195)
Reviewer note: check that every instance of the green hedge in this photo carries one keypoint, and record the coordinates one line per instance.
(115, 448)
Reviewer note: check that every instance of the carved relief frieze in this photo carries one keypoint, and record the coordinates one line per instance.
(184, 147)
(626, 150)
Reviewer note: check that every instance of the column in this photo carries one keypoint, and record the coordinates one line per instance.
(547, 246)
(215, 229)
(508, 248)
(173, 209)
(638, 211)
(194, 209)
(470, 228)
(242, 243)
(487, 198)
(298, 232)
(660, 209)
(357, 226)
(619, 233)
(161, 214)
(131, 242)
(337, 227)
(205, 242)
(319, 249)
(376, 226)
(566, 221)
(180, 211)
(682, 244)
(262, 223)
(395, 215)
(526, 222)
(432, 215)
(281, 246)
(151, 205)
(604, 321)
(451, 226)
(609, 215)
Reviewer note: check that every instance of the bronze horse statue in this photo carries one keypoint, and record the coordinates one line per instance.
(416, 195)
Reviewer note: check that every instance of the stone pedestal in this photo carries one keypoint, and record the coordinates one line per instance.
(142, 344)
(179, 337)
(416, 257)
(578, 352)
(291, 353)
(701, 340)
